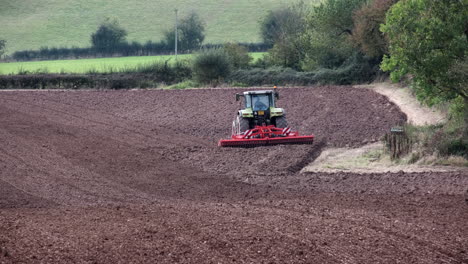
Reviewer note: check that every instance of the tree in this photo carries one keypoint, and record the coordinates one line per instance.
(238, 55)
(2, 47)
(429, 40)
(280, 23)
(328, 33)
(366, 32)
(191, 33)
(211, 66)
(426, 39)
(108, 36)
(282, 28)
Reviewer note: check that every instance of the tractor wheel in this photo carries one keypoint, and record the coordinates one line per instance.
(281, 122)
(243, 124)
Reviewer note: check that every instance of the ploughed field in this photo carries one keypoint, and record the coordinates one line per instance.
(136, 176)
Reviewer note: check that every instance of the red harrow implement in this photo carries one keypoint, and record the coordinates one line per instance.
(265, 135)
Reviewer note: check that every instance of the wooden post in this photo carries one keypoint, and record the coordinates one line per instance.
(397, 142)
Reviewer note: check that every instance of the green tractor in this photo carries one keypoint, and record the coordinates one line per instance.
(261, 123)
(259, 110)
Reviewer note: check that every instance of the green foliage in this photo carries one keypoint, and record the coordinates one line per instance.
(366, 32)
(427, 38)
(282, 22)
(356, 69)
(211, 66)
(2, 47)
(140, 77)
(183, 85)
(442, 140)
(99, 65)
(191, 33)
(238, 55)
(108, 35)
(327, 38)
(272, 76)
(283, 28)
(286, 54)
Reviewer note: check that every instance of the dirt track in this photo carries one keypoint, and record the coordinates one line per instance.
(135, 176)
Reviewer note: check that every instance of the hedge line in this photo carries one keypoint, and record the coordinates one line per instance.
(76, 81)
(121, 50)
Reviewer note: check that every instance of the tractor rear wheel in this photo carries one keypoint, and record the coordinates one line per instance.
(243, 124)
(281, 122)
(240, 125)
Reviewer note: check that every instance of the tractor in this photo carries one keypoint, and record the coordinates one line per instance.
(260, 122)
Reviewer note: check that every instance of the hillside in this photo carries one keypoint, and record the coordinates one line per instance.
(30, 24)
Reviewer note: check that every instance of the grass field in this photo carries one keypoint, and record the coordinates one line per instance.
(30, 24)
(91, 65)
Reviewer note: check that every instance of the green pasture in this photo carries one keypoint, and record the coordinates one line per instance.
(100, 65)
(31, 24)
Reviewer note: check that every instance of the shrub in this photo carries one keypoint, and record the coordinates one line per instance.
(108, 36)
(366, 30)
(272, 76)
(238, 55)
(211, 66)
(356, 69)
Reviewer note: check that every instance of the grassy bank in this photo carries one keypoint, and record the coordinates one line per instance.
(100, 65)
(66, 23)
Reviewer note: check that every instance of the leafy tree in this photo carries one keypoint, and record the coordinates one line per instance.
(2, 47)
(211, 66)
(283, 28)
(429, 40)
(426, 39)
(281, 23)
(328, 33)
(191, 33)
(238, 55)
(108, 36)
(366, 32)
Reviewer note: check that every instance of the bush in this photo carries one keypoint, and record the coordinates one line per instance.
(122, 49)
(238, 55)
(356, 69)
(108, 36)
(272, 76)
(443, 140)
(140, 77)
(211, 66)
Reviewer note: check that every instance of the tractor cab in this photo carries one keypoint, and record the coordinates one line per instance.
(258, 100)
(260, 107)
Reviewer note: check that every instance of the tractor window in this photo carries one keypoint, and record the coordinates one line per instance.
(248, 101)
(261, 102)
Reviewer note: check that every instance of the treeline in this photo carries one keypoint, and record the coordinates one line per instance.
(121, 49)
(109, 40)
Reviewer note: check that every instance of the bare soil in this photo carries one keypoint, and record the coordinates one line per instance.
(136, 176)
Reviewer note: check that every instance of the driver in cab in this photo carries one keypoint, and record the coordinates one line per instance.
(259, 105)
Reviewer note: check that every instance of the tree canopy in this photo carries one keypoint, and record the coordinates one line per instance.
(427, 39)
(366, 32)
(283, 28)
(329, 27)
(108, 35)
(2, 47)
(191, 33)
(281, 23)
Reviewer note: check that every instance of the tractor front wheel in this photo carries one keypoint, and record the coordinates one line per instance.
(281, 122)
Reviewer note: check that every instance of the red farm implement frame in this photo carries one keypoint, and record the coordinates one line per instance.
(266, 135)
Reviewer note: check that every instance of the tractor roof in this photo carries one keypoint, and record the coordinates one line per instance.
(259, 92)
